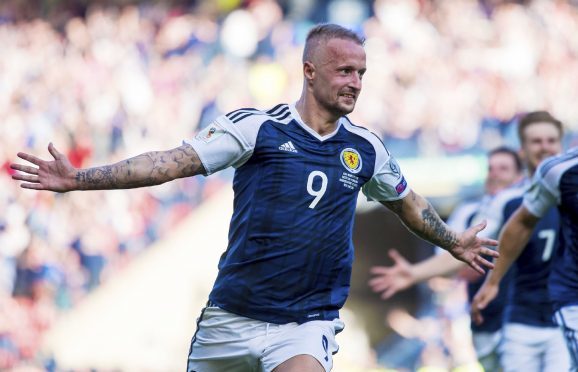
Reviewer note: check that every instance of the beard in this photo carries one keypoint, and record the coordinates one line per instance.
(337, 107)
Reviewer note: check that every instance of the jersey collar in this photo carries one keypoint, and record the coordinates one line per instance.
(308, 129)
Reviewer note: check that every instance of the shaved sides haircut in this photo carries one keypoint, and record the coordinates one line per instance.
(323, 33)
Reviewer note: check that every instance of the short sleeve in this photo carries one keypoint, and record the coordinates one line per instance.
(539, 198)
(387, 183)
(223, 144)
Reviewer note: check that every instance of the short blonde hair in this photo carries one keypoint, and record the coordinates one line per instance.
(325, 32)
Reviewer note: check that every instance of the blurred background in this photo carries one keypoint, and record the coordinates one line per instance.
(113, 281)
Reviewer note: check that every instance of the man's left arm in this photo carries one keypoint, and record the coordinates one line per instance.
(421, 218)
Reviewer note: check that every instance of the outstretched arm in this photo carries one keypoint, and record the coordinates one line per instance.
(150, 168)
(513, 239)
(388, 280)
(422, 219)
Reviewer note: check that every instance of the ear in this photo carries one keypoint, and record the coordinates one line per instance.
(308, 70)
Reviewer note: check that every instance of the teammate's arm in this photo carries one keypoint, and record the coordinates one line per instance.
(150, 168)
(388, 280)
(513, 239)
(422, 219)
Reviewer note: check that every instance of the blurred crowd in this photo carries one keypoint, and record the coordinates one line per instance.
(112, 82)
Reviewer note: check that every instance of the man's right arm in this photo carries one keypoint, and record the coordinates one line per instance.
(148, 169)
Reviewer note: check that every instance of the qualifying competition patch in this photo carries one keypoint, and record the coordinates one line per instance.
(210, 133)
(351, 160)
(401, 186)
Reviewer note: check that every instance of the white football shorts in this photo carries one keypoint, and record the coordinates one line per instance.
(534, 349)
(228, 342)
(488, 346)
(567, 319)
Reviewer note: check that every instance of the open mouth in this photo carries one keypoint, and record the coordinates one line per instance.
(545, 155)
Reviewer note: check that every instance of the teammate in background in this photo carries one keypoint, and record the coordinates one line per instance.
(532, 341)
(555, 183)
(286, 271)
(504, 170)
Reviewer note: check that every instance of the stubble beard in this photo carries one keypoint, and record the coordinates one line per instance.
(339, 109)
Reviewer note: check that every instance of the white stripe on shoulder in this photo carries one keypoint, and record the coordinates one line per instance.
(279, 113)
(553, 169)
(244, 124)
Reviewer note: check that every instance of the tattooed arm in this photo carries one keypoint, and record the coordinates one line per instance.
(151, 168)
(422, 219)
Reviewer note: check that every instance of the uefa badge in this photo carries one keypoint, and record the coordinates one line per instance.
(351, 160)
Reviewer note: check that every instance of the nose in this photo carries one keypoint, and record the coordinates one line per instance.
(549, 148)
(355, 82)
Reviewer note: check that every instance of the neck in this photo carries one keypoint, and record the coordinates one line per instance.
(315, 117)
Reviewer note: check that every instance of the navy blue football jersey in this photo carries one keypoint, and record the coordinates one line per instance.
(556, 184)
(493, 313)
(493, 212)
(529, 300)
(290, 251)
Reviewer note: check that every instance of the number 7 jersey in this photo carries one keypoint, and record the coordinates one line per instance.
(555, 183)
(290, 251)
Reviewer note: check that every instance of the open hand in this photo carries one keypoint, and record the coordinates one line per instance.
(471, 248)
(390, 280)
(56, 175)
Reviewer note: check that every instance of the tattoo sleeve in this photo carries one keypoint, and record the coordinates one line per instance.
(435, 230)
(422, 219)
(148, 169)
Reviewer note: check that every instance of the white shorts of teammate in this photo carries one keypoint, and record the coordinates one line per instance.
(567, 319)
(488, 349)
(229, 342)
(533, 349)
